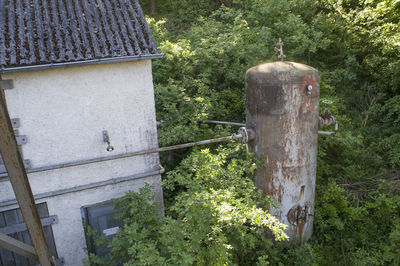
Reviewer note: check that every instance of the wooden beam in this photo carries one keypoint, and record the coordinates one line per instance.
(18, 247)
(16, 228)
(20, 184)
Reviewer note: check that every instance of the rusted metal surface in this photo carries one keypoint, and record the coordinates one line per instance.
(283, 111)
(20, 184)
(54, 31)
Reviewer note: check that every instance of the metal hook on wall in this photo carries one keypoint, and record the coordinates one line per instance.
(106, 139)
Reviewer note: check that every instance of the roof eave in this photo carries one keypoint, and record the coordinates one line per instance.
(7, 70)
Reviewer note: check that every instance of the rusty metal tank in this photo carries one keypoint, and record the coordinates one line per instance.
(282, 109)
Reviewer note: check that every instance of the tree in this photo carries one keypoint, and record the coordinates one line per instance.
(152, 5)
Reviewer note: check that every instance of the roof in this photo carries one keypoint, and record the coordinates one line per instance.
(56, 33)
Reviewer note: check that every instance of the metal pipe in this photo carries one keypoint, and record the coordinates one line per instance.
(84, 162)
(243, 125)
(111, 181)
(330, 133)
(80, 63)
(127, 155)
(225, 123)
(197, 143)
(326, 133)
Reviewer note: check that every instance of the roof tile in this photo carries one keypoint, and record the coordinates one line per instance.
(40, 32)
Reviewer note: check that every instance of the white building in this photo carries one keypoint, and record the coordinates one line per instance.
(80, 71)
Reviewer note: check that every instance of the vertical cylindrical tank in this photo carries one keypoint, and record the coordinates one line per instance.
(282, 108)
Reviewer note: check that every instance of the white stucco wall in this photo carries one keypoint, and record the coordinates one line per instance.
(63, 113)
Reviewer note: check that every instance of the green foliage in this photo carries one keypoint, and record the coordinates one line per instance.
(362, 234)
(211, 216)
(391, 249)
(214, 219)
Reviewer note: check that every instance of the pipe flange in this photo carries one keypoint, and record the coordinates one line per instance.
(245, 136)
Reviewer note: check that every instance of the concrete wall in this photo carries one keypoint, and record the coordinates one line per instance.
(63, 113)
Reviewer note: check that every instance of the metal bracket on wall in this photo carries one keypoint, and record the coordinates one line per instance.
(15, 122)
(21, 139)
(6, 84)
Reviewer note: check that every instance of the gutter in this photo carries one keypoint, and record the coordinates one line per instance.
(5, 70)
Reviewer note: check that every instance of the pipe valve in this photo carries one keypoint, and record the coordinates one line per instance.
(327, 119)
(243, 135)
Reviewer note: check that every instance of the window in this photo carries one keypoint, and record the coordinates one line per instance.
(101, 218)
(12, 224)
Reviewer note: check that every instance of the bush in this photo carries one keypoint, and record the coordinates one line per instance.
(210, 203)
(214, 218)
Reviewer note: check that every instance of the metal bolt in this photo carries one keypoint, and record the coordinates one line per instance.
(309, 89)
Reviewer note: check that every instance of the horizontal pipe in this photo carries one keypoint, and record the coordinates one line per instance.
(84, 162)
(197, 143)
(225, 123)
(80, 63)
(124, 155)
(326, 133)
(243, 125)
(111, 181)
